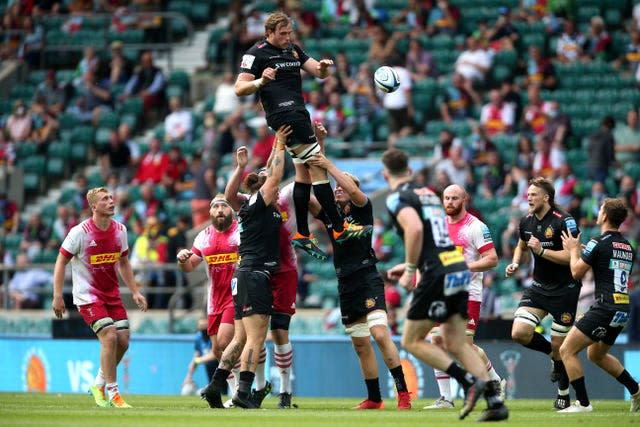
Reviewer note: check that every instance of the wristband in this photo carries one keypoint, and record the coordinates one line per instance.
(197, 360)
(410, 268)
(280, 145)
(541, 253)
(258, 83)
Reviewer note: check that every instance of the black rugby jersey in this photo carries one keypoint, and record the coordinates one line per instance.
(259, 227)
(285, 92)
(549, 278)
(353, 254)
(438, 254)
(611, 257)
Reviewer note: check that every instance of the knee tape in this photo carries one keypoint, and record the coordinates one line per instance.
(100, 324)
(377, 317)
(359, 330)
(280, 321)
(307, 152)
(558, 330)
(524, 316)
(122, 324)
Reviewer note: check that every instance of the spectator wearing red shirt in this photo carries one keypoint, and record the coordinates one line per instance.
(176, 169)
(9, 217)
(261, 149)
(153, 164)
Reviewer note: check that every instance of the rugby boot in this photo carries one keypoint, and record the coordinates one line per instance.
(285, 401)
(309, 244)
(351, 230)
(576, 407)
(369, 404)
(441, 403)
(494, 414)
(212, 396)
(473, 394)
(257, 396)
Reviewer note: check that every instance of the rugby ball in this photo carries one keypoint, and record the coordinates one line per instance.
(386, 79)
(189, 389)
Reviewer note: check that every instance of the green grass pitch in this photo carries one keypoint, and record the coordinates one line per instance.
(69, 410)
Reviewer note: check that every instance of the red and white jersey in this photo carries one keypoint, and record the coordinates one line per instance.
(94, 254)
(471, 237)
(288, 261)
(219, 249)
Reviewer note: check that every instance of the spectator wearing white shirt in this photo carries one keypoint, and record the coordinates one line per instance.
(226, 100)
(25, 286)
(475, 62)
(178, 125)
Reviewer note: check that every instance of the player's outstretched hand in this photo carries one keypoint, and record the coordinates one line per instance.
(569, 242)
(58, 307)
(283, 134)
(242, 157)
(319, 160)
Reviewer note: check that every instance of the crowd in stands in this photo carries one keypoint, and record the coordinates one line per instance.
(492, 93)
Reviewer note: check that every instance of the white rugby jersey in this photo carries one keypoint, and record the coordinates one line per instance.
(472, 237)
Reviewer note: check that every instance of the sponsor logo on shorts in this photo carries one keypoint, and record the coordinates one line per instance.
(566, 317)
(369, 303)
(108, 258)
(450, 257)
(599, 332)
(620, 298)
(221, 258)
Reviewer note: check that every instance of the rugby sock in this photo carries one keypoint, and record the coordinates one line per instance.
(398, 378)
(99, 381)
(563, 382)
(581, 391)
(112, 390)
(301, 196)
(219, 379)
(261, 381)
(236, 375)
(444, 383)
(463, 377)
(539, 343)
(627, 380)
(244, 387)
(373, 390)
(493, 375)
(324, 194)
(231, 383)
(283, 355)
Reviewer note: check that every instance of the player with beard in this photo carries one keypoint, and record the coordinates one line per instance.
(473, 238)
(440, 294)
(361, 290)
(259, 249)
(271, 68)
(611, 257)
(217, 245)
(284, 282)
(554, 291)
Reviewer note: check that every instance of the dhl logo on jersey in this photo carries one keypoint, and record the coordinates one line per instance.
(108, 258)
(450, 257)
(285, 215)
(460, 249)
(620, 298)
(221, 258)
